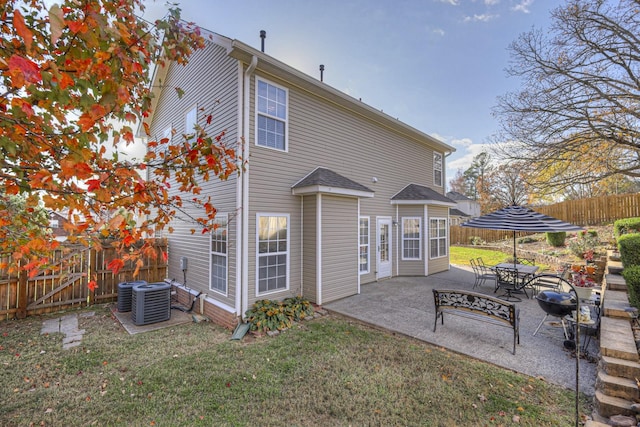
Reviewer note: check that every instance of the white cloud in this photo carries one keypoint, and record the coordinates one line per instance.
(491, 2)
(461, 143)
(485, 17)
(523, 6)
(464, 156)
(438, 31)
(451, 2)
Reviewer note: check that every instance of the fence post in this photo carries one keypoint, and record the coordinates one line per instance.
(21, 312)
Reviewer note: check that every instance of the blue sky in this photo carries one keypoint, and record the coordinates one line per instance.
(437, 65)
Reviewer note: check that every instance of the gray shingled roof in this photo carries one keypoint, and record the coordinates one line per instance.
(457, 212)
(420, 192)
(329, 178)
(454, 195)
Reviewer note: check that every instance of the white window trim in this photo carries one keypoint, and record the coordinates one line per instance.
(446, 237)
(190, 130)
(438, 170)
(418, 239)
(286, 120)
(288, 252)
(368, 245)
(222, 219)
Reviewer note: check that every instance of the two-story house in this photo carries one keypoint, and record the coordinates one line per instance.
(335, 194)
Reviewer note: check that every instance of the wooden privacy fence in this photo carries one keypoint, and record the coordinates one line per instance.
(64, 285)
(585, 212)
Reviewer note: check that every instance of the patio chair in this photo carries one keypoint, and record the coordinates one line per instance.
(482, 273)
(486, 271)
(511, 282)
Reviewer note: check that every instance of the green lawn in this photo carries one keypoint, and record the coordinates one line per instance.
(460, 255)
(322, 372)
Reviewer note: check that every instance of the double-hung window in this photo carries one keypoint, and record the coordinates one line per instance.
(364, 244)
(273, 252)
(190, 121)
(411, 238)
(218, 280)
(437, 169)
(438, 237)
(272, 115)
(168, 135)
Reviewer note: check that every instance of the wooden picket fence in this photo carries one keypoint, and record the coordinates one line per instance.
(584, 212)
(64, 285)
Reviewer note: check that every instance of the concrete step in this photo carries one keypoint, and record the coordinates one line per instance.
(615, 282)
(616, 339)
(619, 367)
(615, 304)
(623, 388)
(608, 406)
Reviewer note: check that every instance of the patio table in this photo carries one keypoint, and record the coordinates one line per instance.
(524, 271)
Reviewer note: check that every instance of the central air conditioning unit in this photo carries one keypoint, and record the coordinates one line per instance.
(150, 303)
(124, 294)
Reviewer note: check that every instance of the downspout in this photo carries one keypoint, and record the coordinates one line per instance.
(243, 208)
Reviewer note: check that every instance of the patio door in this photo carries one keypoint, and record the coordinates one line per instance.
(383, 240)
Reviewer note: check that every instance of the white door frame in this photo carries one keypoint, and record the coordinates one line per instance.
(384, 249)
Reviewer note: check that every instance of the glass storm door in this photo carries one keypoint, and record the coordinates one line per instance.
(384, 247)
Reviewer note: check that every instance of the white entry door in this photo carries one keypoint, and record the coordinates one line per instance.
(383, 240)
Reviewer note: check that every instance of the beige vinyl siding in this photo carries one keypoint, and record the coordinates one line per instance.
(210, 82)
(322, 134)
(339, 247)
(410, 267)
(309, 278)
(438, 264)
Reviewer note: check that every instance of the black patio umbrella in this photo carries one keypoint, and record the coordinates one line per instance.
(519, 218)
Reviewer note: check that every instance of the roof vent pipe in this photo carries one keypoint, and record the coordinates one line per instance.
(263, 35)
(321, 72)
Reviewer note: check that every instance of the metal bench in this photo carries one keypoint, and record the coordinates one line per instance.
(477, 306)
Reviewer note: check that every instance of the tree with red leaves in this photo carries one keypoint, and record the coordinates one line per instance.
(74, 83)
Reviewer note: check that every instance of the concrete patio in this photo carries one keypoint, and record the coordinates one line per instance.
(405, 305)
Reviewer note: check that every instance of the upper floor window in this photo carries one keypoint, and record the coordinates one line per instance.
(272, 114)
(411, 238)
(168, 134)
(190, 121)
(437, 169)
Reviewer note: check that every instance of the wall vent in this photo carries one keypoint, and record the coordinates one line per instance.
(124, 294)
(150, 303)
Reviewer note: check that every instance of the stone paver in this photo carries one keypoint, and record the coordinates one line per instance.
(67, 325)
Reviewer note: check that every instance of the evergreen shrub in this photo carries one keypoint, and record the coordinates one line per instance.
(556, 239)
(632, 278)
(626, 226)
(629, 247)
